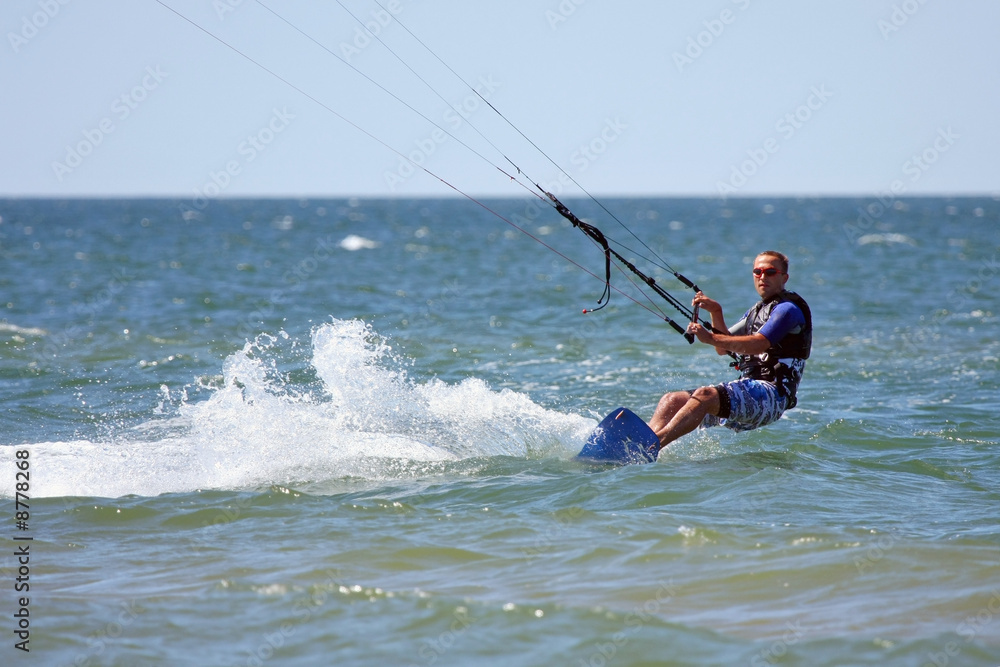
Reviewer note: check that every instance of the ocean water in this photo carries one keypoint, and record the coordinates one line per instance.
(303, 432)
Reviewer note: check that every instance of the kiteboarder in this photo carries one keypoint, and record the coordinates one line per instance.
(772, 341)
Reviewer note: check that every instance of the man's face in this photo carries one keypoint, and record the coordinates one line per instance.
(768, 285)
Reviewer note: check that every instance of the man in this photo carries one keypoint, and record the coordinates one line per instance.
(772, 340)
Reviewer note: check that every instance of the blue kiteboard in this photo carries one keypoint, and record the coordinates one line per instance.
(621, 438)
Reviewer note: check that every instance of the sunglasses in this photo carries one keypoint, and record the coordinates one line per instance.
(766, 272)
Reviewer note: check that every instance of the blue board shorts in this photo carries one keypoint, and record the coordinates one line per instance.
(746, 404)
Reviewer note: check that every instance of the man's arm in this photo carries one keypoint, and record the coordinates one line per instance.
(712, 307)
(751, 345)
(785, 318)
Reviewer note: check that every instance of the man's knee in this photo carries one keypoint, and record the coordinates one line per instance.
(704, 393)
(670, 403)
(673, 400)
(708, 397)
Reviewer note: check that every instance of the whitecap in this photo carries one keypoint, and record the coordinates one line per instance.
(355, 242)
(22, 331)
(886, 239)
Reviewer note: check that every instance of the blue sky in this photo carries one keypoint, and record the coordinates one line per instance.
(642, 97)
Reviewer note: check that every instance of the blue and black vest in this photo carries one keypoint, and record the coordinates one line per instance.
(783, 362)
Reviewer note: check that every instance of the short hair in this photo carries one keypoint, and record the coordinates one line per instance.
(778, 256)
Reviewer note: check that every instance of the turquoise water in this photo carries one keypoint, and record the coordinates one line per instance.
(341, 432)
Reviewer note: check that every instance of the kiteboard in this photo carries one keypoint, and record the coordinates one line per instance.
(621, 438)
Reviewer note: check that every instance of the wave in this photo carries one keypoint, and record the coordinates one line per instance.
(360, 416)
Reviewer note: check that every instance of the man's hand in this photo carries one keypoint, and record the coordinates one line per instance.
(708, 305)
(701, 333)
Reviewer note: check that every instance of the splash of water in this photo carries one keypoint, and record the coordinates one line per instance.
(363, 417)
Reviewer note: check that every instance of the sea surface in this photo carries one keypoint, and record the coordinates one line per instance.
(341, 432)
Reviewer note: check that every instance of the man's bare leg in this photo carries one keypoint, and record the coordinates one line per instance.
(668, 406)
(679, 413)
